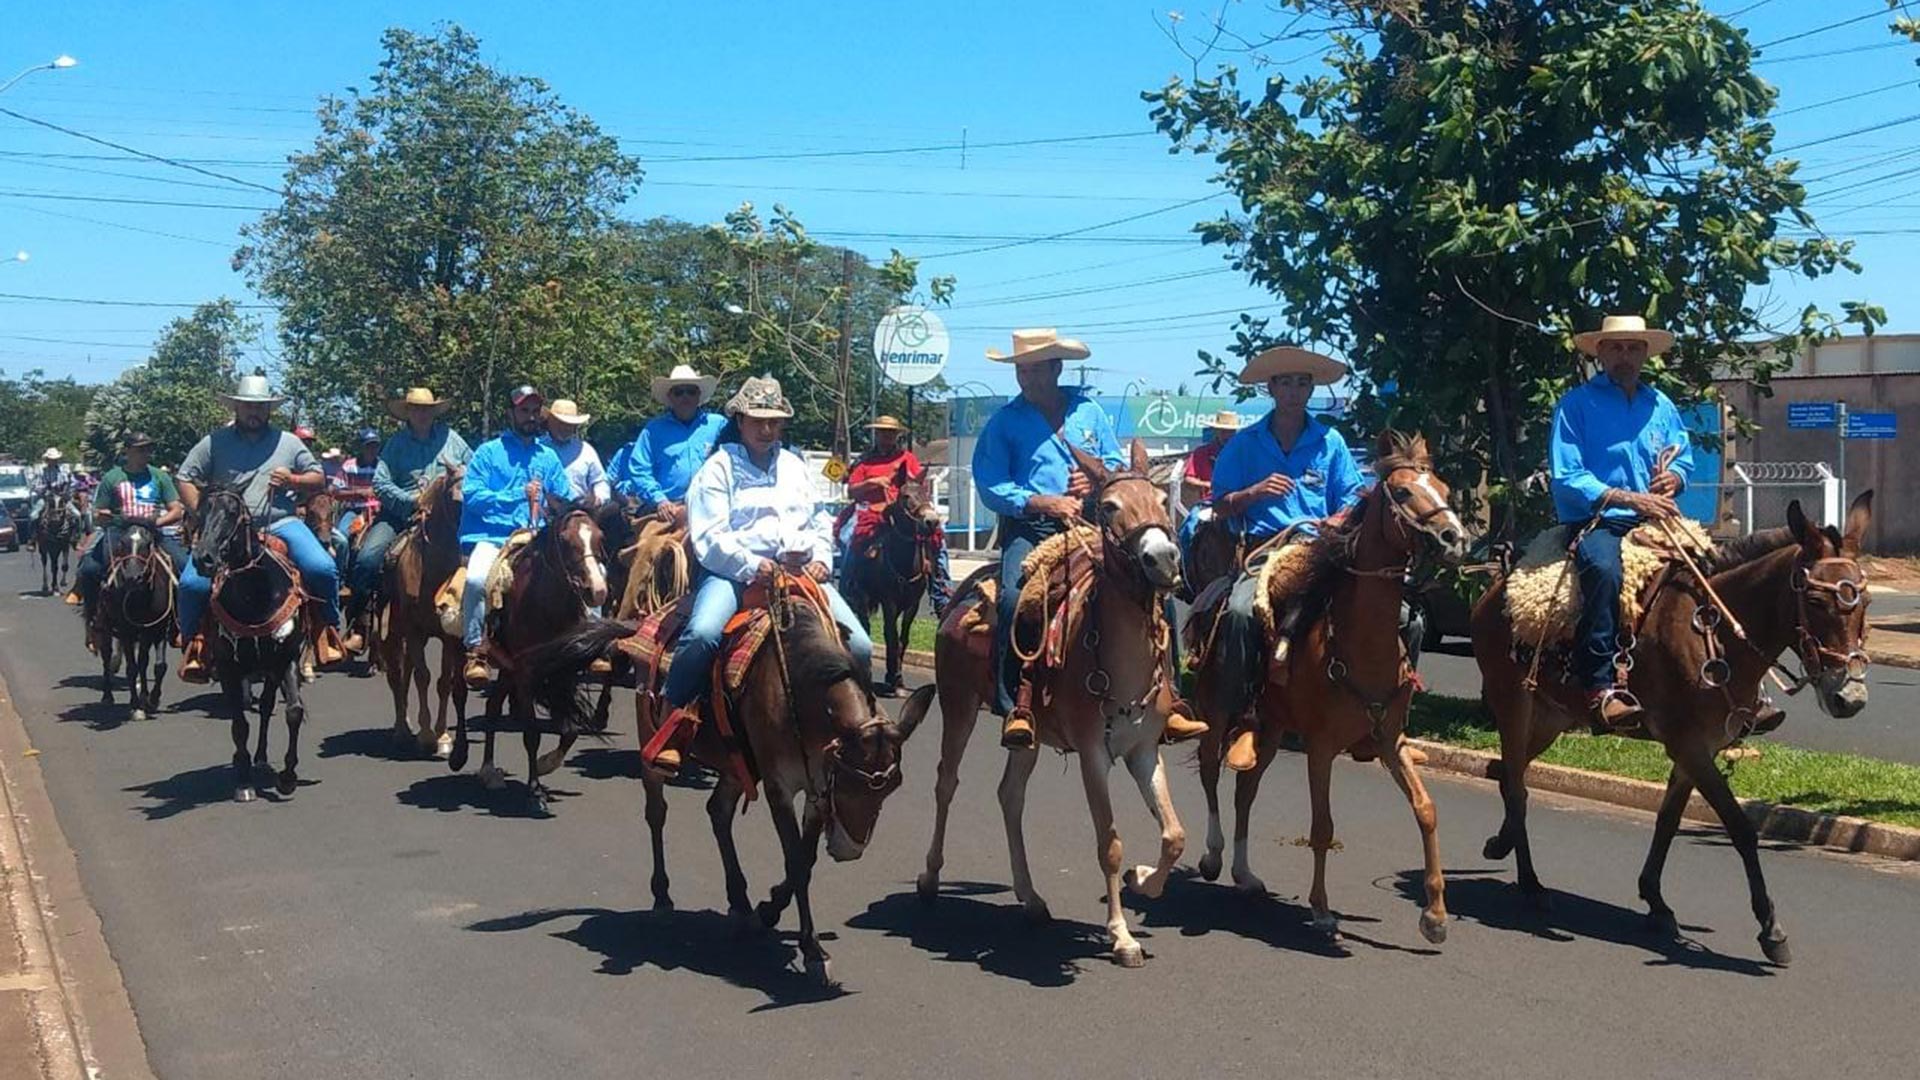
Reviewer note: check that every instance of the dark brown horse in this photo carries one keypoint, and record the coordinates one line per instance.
(1798, 588)
(1348, 684)
(557, 579)
(894, 571)
(135, 612)
(811, 731)
(56, 532)
(405, 619)
(318, 512)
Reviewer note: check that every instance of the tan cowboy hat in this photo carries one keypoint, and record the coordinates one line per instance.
(252, 389)
(1291, 360)
(1035, 346)
(565, 411)
(683, 375)
(1632, 327)
(417, 395)
(760, 396)
(331, 453)
(1224, 420)
(884, 422)
(53, 453)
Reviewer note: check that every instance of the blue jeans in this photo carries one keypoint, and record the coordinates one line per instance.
(713, 604)
(318, 575)
(363, 573)
(1596, 561)
(1017, 538)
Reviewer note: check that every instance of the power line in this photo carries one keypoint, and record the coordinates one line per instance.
(1084, 229)
(1847, 97)
(94, 302)
(1881, 126)
(1880, 13)
(881, 151)
(1831, 52)
(1756, 5)
(177, 203)
(228, 244)
(138, 153)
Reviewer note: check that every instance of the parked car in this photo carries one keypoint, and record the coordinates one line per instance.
(16, 496)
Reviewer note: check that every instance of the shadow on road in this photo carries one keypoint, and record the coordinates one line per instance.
(99, 716)
(205, 786)
(377, 743)
(1197, 907)
(706, 942)
(1488, 898)
(608, 763)
(997, 938)
(452, 792)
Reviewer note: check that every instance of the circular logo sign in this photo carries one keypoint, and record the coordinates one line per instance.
(911, 344)
(834, 470)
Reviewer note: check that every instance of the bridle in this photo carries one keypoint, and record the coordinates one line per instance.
(1848, 593)
(1411, 526)
(904, 518)
(554, 550)
(1118, 548)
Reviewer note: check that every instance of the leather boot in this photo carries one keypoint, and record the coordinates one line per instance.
(1181, 723)
(475, 672)
(1244, 754)
(193, 664)
(1614, 711)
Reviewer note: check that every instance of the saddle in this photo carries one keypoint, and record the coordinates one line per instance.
(279, 622)
(448, 597)
(1543, 598)
(1283, 567)
(645, 593)
(1056, 577)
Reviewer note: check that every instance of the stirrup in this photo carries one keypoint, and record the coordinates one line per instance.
(1016, 731)
(1625, 716)
(1182, 724)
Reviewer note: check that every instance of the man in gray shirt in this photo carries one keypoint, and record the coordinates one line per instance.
(268, 467)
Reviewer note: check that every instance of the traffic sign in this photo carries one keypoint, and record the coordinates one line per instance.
(1871, 425)
(1812, 414)
(911, 344)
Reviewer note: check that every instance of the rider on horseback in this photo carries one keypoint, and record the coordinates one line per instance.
(751, 511)
(135, 491)
(1287, 473)
(1196, 481)
(52, 483)
(270, 467)
(869, 490)
(1609, 435)
(662, 459)
(577, 455)
(1026, 474)
(506, 478)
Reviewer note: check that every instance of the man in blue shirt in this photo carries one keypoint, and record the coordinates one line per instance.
(1609, 436)
(1289, 471)
(662, 459)
(505, 477)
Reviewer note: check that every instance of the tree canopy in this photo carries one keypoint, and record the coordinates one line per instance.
(174, 395)
(37, 412)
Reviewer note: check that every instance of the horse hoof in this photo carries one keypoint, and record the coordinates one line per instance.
(820, 972)
(1663, 923)
(1496, 847)
(1327, 926)
(243, 794)
(286, 782)
(139, 715)
(1210, 866)
(457, 756)
(492, 777)
(547, 762)
(1130, 955)
(537, 805)
(1249, 885)
(1037, 912)
(767, 915)
(927, 887)
(443, 748)
(1776, 949)
(886, 690)
(1142, 881)
(1538, 899)
(663, 903)
(1433, 928)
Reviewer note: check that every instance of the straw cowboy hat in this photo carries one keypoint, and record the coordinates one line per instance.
(1630, 327)
(565, 411)
(251, 389)
(682, 375)
(1224, 420)
(331, 453)
(1290, 360)
(52, 453)
(884, 422)
(417, 395)
(1036, 346)
(761, 397)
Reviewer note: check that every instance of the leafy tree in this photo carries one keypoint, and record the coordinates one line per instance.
(1468, 183)
(174, 395)
(37, 412)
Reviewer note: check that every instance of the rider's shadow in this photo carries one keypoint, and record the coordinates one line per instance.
(998, 938)
(1197, 907)
(705, 942)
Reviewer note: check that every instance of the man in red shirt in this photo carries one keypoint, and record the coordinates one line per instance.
(1196, 481)
(869, 489)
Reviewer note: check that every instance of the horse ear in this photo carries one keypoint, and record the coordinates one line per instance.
(1383, 443)
(900, 475)
(915, 711)
(1859, 516)
(1095, 469)
(1139, 457)
(1804, 531)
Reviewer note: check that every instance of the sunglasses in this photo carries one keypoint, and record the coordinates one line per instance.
(684, 391)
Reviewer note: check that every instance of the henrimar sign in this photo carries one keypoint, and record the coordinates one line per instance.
(911, 344)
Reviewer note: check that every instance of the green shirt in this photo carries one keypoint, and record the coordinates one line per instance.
(143, 495)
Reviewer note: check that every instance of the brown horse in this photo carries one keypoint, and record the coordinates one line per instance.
(557, 579)
(318, 512)
(1798, 588)
(1213, 553)
(811, 730)
(405, 618)
(1108, 699)
(893, 573)
(1348, 684)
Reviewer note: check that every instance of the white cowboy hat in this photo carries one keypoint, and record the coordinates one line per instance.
(683, 375)
(1035, 346)
(417, 395)
(760, 396)
(1631, 327)
(252, 388)
(1290, 360)
(331, 453)
(1224, 420)
(565, 411)
(53, 453)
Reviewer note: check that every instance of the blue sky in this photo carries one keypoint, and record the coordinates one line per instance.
(237, 83)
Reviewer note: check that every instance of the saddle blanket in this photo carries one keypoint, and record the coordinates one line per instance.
(650, 647)
(1543, 598)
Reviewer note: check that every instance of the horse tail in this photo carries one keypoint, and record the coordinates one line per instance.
(555, 669)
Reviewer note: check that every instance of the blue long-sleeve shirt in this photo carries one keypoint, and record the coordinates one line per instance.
(495, 488)
(662, 459)
(1017, 455)
(1326, 479)
(1602, 440)
(408, 463)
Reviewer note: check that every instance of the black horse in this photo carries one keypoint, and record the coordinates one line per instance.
(893, 572)
(259, 606)
(55, 533)
(135, 611)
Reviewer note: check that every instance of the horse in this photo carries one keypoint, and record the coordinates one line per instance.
(653, 564)
(135, 611)
(319, 512)
(1348, 684)
(556, 579)
(404, 616)
(260, 610)
(1213, 553)
(1107, 699)
(1697, 661)
(895, 576)
(810, 729)
(56, 532)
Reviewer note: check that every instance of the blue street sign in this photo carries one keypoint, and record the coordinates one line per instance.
(1811, 414)
(1871, 425)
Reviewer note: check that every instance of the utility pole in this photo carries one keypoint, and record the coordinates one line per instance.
(842, 441)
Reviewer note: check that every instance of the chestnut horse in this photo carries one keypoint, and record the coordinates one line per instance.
(1698, 678)
(1348, 684)
(811, 731)
(1116, 643)
(404, 617)
(905, 554)
(557, 579)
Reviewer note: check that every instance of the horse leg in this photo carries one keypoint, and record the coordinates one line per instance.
(720, 812)
(530, 741)
(1013, 803)
(1094, 766)
(106, 671)
(134, 651)
(657, 833)
(958, 711)
(801, 845)
(159, 674)
(269, 696)
(1394, 756)
(1527, 739)
(1672, 806)
(1246, 787)
(289, 778)
(894, 618)
(1320, 838)
(553, 758)
(1208, 758)
(490, 774)
(1693, 756)
(422, 677)
(235, 693)
(453, 691)
(1150, 773)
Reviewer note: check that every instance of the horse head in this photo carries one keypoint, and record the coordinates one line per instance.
(223, 533)
(1416, 497)
(910, 512)
(439, 503)
(1131, 513)
(1830, 593)
(572, 543)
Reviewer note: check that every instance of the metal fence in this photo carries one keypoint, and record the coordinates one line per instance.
(1755, 495)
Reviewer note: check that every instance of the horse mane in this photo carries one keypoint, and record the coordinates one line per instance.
(816, 658)
(1745, 549)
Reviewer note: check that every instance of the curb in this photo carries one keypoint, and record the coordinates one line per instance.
(1774, 822)
(1899, 660)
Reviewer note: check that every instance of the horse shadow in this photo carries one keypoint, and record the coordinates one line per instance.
(706, 942)
(208, 785)
(99, 716)
(611, 763)
(999, 939)
(451, 793)
(1486, 897)
(1197, 907)
(377, 743)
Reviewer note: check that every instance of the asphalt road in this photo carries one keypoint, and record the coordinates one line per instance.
(394, 920)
